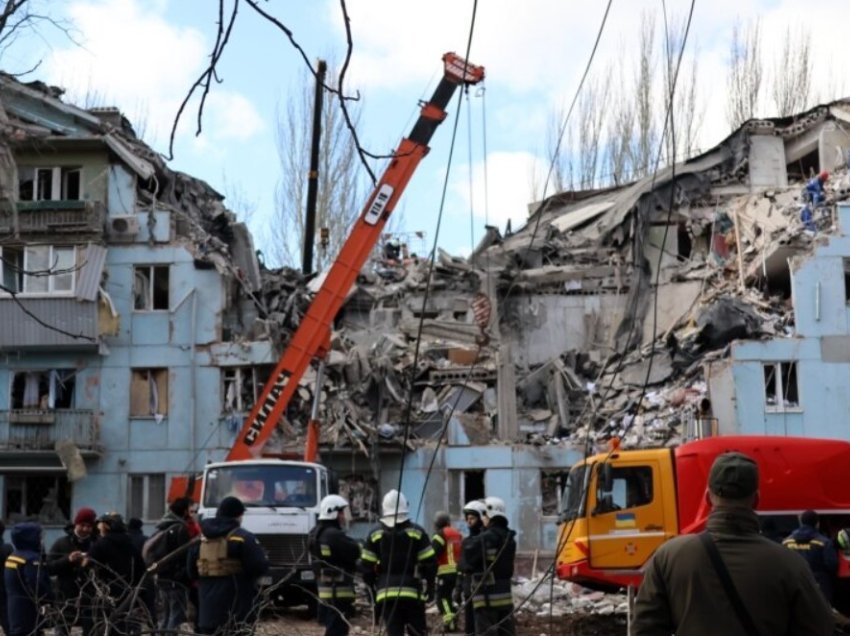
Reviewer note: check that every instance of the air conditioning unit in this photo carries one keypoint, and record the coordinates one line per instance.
(122, 228)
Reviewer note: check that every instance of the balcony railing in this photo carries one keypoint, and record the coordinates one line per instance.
(40, 429)
(54, 217)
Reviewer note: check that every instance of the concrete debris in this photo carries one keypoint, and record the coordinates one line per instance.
(542, 596)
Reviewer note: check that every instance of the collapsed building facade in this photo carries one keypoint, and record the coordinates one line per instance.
(141, 328)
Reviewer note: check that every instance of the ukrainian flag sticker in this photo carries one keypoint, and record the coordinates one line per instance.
(625, 520)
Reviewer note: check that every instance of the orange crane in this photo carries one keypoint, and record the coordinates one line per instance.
(311, 339)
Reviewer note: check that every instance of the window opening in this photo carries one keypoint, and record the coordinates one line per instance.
(473, 485)
(551, 487)
(631, 487)
(241, 386)
(48, 389)
(12, 266)
(150, 287)
(780, 386)
(147, 496)
(49, 183)
(149, 392)
(46, 498)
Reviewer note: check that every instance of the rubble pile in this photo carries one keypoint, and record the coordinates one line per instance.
(541, 596)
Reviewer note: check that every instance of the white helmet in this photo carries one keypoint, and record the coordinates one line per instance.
(395, 508)
(476, 506)
(331, 506)
(495, 507)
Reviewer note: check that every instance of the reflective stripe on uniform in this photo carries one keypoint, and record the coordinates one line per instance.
(341, 591)
(425, 553)
(398, 592)
(368, 555)
(325, 550)
(12, 562)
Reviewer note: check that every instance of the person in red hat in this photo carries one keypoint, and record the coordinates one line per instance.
(65, 562)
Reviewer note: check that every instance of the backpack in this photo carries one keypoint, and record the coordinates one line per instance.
(160, 544)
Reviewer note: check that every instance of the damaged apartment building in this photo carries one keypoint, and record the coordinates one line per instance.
(141, 328)
(132, 310)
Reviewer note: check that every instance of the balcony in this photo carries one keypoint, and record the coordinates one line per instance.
(37, 430)
(36, 218)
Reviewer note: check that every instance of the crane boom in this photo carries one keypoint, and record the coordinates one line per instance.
(311, 337)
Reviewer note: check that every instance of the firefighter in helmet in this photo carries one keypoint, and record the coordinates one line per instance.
(335, 557)
(397, 559)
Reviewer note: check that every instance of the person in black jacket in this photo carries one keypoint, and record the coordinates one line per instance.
(119, 570)
(472, 511)
(817, 550)
(335, 557)
(5, 550)
(137, 535)
(227, 563)
(26, 580)
(396, 560)
(172, 577)
(490, 560)
(65, 562)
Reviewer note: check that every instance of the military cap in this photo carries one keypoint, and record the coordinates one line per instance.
(733, 476)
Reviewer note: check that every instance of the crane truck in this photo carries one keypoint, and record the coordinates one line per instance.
(618, 507)
(281, 496)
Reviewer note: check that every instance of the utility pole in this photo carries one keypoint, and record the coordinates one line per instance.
(313, 177)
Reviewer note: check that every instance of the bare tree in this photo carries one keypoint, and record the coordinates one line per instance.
(339, 184)
(745, 73)
(686, 110)
(19, 18)
(590, 121)
(643, 145)
(620, 129)
(792, 73)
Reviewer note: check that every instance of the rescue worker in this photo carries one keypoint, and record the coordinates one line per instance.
(27, 581)
(396, 559)
(172, 578)
(446, 542)
(65, 562)
(814, 191)
(472, 511)
(335, 557)
(682, 590)
(118, 564)
(5, 550)
(489, 558)
(227, 563)
(817, 550)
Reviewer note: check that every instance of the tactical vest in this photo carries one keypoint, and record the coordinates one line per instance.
(213, 560)
(449, 558)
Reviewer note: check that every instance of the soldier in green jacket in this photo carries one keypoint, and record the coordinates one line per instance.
(683, 594)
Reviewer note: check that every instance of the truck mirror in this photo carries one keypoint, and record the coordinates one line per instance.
(606, 477)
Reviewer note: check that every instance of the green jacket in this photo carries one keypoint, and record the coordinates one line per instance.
(681, 593)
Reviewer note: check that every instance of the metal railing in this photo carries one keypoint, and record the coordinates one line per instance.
(54, 217)
(40, 429)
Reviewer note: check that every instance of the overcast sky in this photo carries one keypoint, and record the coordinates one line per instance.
(143, 55)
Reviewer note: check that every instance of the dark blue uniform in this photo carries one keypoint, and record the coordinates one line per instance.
(228, 600)
(27, 581)
(819, 553)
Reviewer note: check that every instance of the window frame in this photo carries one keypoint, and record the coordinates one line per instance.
(151, 295)
(161, 384)
(779, 391)
(24, 282)
(146, 510)
(57, 181)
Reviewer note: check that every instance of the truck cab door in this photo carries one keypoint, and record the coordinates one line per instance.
(626, 514)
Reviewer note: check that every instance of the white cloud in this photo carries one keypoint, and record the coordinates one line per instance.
(133, 58)
(510, 185)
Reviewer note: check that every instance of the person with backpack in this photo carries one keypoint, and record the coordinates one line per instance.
(26, 580)
(65, 561)
(226, 562)
(137, 534)
(172, 577)
(335, 557)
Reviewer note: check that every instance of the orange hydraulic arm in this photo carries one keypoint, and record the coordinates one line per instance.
(311, 337)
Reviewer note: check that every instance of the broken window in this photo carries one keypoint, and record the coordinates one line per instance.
(362, 496)
(149, 392)
(550, 490)
(241, 386)
(780, 386)
(44, 497)
(50, 184)
(45, 389)
(146, 499)
(12, 269)
(631, 486)
(464, 486)
(150, 287)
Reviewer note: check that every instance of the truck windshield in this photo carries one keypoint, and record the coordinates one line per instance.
(573, 501)
(262, 485)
